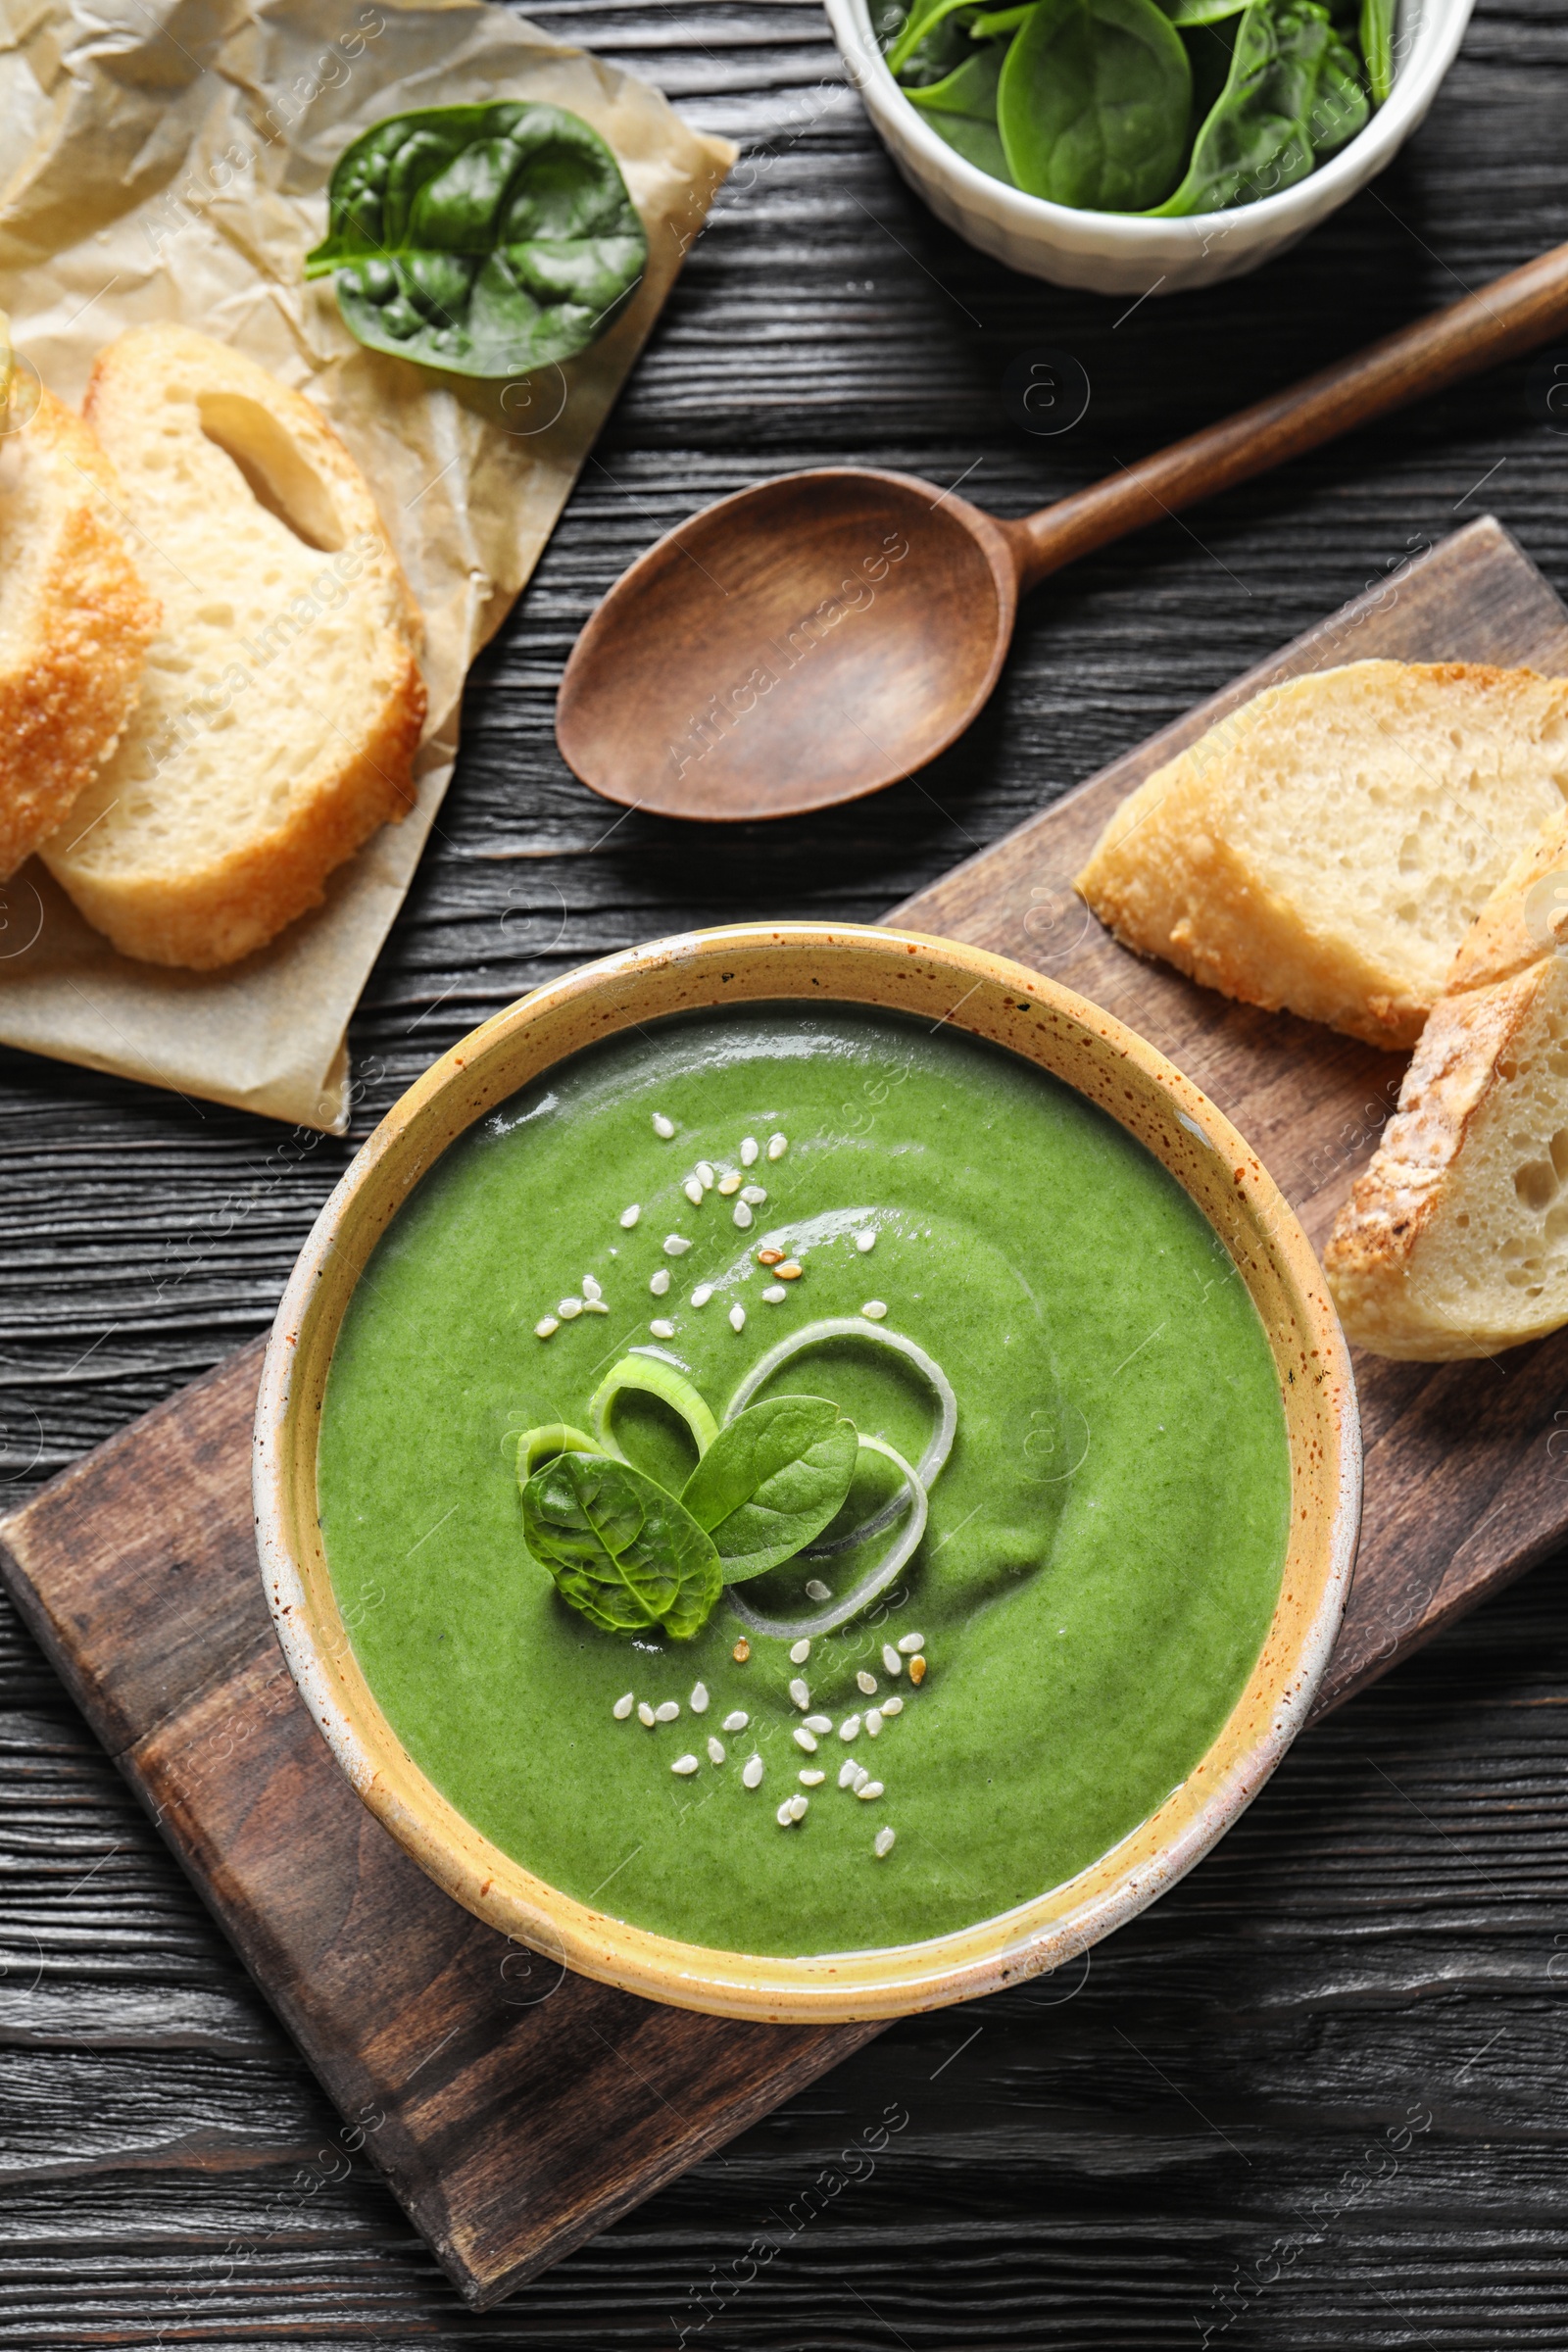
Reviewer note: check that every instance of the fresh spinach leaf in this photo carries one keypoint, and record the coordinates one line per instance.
(621, 1550)
(963, 109)
(936, 37)
(489, 240)
(1293, 94)
(1094, 103)
(1200, 11)
(770, 1482)
(1209, 50)
(1377, 48)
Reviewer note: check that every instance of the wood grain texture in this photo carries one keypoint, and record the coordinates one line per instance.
(1377, 1934)
(514, 2109)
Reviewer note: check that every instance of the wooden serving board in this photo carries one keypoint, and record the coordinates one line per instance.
(514, 2109)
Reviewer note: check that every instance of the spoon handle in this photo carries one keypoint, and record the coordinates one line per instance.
(1512, 315)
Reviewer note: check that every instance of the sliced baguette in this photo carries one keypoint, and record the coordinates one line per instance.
(76, 621)
(1454, 1240)
(283, 703)
(1323, 849)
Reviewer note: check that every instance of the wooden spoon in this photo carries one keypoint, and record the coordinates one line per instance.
(819, 636)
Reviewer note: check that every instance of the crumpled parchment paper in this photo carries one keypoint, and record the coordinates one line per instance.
(169, 160)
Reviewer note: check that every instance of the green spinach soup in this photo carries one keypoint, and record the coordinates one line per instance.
(799, 1481)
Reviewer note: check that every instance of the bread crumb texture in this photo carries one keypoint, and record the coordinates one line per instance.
(1323, 849)
(282, 704)
(76, 621)
(1454, 1242)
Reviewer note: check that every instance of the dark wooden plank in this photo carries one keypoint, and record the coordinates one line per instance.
(1454, 1453)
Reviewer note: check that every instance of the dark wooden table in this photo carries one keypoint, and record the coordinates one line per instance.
(1319, 2097)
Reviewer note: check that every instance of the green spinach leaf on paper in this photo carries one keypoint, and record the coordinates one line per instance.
(1293, 94)
(961, 109)
(1094, 104)
(770, 1482)
(489, 240)
(621, 1548)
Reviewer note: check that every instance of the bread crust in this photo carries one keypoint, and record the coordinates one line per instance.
(1373, 1257)
(1168, 884)
(71, 684)
(218, 907)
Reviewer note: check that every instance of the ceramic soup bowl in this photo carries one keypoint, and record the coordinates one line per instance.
(938, 981)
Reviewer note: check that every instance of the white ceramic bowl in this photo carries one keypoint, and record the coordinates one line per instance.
(1117, 253)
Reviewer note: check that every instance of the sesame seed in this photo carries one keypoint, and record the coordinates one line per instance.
(869, 1790)
(741, 1652)
(862, 1776)
(737, 1720)
(662, 1126)
(729, 1184)
(770, 1258)
(798, 1806)
(804, 1738)
(791, 1270)
(777, 1146)
(754, 1193)
(821, 1724)
(800, 1694)
(850, 1728)
(786, 1813)
(749, 1151)
(883, 1844)
(866, 1682)
(873, 1719)
(810, 1778)
(875, 1311)
(891, 1658)
(662, 1330)
(623, 1706)
(676, 1244)
(908, 1643)
(693, 1190)
(546, 1328)
(645, 1714)
(893, 1706)
(737, 1318)
(569, 1309)
(751, 1771)
(800, 1653)
(667, 1712)
(594, 1307)
(590, 1288)
(742, 1215)
(917, 1671)
(702, 1295)
(775, 1293)
(659, 1283)
(704, 1173)
(684, 1765)
(698, 1701)
(815, 1590)
(865, 1240)
(848, 1772)
(630, 1217)
(715, 1751)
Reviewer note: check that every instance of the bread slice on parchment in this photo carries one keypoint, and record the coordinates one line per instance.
(1454, 1240)
(75, 618)
(282, 702)
(1323, 849)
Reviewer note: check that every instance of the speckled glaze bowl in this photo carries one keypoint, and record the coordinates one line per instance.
(1003, 1002)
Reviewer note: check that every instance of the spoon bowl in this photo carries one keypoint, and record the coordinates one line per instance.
(819, 636)
(860, 617)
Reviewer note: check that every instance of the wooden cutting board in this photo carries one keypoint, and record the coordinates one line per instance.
(513, 2109)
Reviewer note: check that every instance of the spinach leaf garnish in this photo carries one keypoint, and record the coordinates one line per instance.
(963, 109)
(770, 1482)
(621, 1548)
(488, 240)
(1293, 93)
(1093, 104)
(1377, 48)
